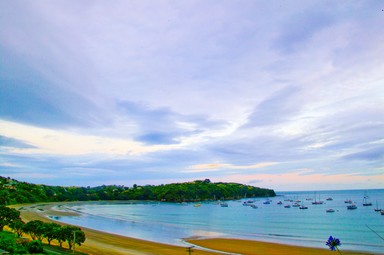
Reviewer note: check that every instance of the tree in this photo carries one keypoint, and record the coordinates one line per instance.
(35, 228)
(7, 216)
(60, 235)
(73, 235)
(50, 231)
(17, 226)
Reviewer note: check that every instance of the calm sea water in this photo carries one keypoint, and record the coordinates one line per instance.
(170, 222)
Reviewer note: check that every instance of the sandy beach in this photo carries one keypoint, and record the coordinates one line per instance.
(98, 242)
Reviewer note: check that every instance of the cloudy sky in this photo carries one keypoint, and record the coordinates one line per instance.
(287, 95)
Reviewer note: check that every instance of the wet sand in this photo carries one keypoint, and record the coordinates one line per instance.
(98, 242)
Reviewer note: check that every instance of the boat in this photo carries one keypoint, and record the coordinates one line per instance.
(224, 204)
(279, 203)
(303, 206)
(382, 212)
(317, 202)
(330, 210)
(254, 206)
(365, 202)
(296, 205)
(197, 205)
(348, 201)
(329, 199)
(351, 207)
(287, 206)
(377, 209)
(267, 202)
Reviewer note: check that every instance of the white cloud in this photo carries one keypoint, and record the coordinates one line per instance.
(46, 141)
(211, 167)
(180, 83)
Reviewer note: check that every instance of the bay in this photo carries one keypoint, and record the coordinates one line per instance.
(361, 229)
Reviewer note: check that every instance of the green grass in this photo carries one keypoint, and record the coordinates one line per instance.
(7, 235)
(49, 249)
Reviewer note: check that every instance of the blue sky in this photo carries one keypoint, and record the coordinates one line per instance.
(286, 95)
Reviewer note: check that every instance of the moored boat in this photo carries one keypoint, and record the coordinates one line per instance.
(351, 207)
(365, 202)
(330, 210)
(317, 202)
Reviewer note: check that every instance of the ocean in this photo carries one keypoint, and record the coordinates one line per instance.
(361, 229)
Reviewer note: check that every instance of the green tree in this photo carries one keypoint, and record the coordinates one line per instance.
(35, 228)
(50, 231)
(17, 226)
(7, 216)
(73, 235)
(60, 235)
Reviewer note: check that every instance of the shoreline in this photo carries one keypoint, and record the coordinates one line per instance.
(99, 242)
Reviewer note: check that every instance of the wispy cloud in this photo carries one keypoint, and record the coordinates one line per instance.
(46, 141)
(221, 166)
(165, 88)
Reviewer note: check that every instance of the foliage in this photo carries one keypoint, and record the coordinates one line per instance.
(73, 235)
(70, 234)
(7, 216)
(14, 192)
(35, 247)
(6, 240)
(51, 231)
(8, 243)
(60, 235)
(18, 227)
(35, 228)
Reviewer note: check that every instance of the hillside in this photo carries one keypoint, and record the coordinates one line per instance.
(15, 192)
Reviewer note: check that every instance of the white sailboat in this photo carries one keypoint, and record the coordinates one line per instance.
(365, 201)
(317, 202)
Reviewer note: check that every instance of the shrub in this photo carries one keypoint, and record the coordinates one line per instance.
(19, 249)
(35, 247)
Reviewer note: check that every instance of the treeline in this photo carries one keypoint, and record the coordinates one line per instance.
(37, 230)
(15, 192)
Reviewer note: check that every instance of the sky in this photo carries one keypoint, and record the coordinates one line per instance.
(287, 95)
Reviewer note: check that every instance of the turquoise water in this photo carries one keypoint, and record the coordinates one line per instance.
(170, 222)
